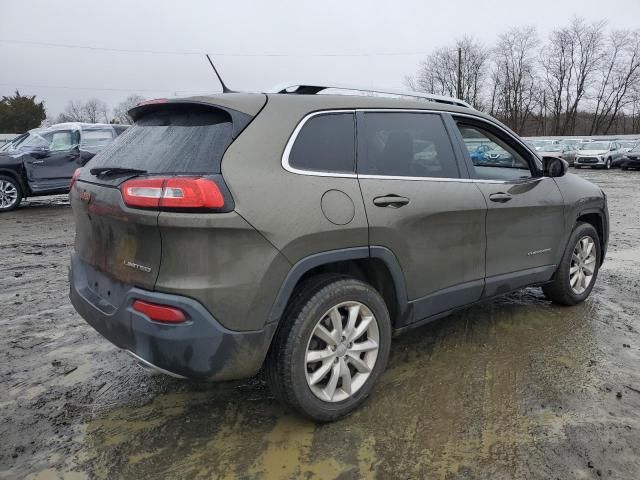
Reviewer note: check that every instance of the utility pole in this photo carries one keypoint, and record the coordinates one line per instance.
(459, 94)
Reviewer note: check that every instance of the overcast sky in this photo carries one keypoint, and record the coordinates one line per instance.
(255, 44)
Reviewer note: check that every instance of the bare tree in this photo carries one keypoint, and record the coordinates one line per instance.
(438, 73)
(121, 112)
(570, 62)
(619, 75)
(92, 111)
(73, 112)
(95, 111)
(583, 80)
(515, 91)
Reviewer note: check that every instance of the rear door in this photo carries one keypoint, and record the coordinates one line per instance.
(421, 206)
(525, 218)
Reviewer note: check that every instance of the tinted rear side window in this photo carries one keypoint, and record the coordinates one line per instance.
(326, 143)
(172, 140)
(407, 145)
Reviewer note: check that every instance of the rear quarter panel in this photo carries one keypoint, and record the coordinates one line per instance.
(284, 206)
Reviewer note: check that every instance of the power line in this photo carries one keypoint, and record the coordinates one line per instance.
(109, 89)
(219, 54)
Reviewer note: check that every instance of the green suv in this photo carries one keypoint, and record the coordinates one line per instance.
(297, 232)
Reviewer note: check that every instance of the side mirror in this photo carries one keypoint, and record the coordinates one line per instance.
(554, 167)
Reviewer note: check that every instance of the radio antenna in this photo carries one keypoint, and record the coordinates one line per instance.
(225, 89)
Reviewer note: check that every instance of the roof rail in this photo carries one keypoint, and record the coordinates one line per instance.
(301, 88)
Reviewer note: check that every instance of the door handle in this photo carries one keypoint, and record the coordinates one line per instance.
(391, 200)
(37, 162)
(500, 197)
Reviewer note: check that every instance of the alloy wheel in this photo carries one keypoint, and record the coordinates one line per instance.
(342, 351)
(8, 194)
(583, 264)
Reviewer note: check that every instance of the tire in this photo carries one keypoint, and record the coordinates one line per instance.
(290, 375)
(607, 164)
(560, 290)
(577, 167)
(625, 168)
(10, 193)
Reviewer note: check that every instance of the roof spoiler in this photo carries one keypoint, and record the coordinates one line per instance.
(302, 88)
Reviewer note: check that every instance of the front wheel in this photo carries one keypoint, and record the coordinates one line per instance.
(331, 347)
(607, 164)
(10, 194)
(578, 269)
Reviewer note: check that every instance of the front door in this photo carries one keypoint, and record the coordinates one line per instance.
(525, 218)
(420, 206)
(52, 167)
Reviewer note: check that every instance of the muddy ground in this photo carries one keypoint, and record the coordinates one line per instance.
(514, 388)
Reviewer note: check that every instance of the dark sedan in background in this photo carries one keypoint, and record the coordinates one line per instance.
(42, 161)
(631, 158)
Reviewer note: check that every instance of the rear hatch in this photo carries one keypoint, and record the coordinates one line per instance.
(115, 197)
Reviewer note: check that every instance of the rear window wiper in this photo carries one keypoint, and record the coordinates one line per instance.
(99, 171)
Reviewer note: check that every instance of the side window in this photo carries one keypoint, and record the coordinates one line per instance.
(63, 140)
(96, 139)
(326, 143)
(492, 158)
(407, 145)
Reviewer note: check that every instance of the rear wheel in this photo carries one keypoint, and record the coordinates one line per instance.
(10, 194)
(578, 269)
(332, 346)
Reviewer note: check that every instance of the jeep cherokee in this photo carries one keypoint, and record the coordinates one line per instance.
(299, 231)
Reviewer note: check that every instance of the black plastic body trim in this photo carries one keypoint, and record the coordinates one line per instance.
(447, 298)
(333, 256)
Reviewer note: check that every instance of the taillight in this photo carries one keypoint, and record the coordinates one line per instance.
(159, 313)
(189, 193)
(74, 177)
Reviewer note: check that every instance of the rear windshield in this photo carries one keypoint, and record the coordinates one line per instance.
(172, 140)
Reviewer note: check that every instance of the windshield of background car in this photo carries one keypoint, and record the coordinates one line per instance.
(596, 146)
(37, 140)
(13, 144)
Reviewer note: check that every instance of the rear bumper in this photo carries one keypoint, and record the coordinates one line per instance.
(199, 348)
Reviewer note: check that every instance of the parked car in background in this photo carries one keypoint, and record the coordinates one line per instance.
(571, 146)
(628, 145)
(631, 159)
(242, 234)
(552, 150)
(42, 161)
(599, 154)
(542, 143)
(478, 153)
